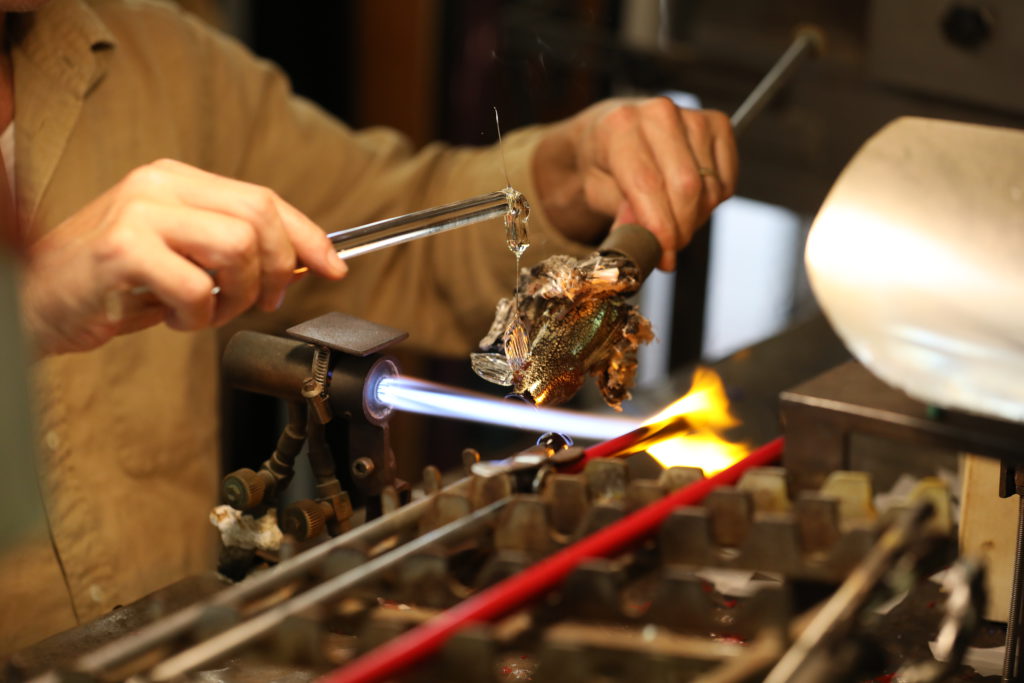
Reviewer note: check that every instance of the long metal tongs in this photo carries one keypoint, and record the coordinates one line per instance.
(389, 232)
(433, 221)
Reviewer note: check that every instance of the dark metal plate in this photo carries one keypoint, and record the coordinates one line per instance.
(821, 414)
(346, 333)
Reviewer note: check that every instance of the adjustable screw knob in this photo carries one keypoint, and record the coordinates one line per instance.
(362, 468)
(243, 489)
(304, 520)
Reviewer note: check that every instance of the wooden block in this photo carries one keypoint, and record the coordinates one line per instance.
(988, 530)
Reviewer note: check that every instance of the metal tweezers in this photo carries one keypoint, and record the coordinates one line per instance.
(412, 226)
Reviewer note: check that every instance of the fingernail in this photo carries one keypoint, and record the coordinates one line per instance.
(624, 215)
(340, 267)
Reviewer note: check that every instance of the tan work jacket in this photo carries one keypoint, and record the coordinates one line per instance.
(129, 432)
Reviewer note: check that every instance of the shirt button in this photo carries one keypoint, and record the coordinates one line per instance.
(52, 440)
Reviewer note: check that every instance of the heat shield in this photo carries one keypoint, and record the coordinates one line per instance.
(917, 258)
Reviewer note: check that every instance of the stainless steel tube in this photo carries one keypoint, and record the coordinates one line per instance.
(433, 221)
(809, 40)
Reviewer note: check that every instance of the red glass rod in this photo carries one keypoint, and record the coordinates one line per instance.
(630, 442)
(402, 652)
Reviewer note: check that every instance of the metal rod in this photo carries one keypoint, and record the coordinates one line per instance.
(402, 652)
(809, 40)
(491, 200)
(136, 643)
(1010, 667)
(228, 641)
(835, 617)
(389, 232)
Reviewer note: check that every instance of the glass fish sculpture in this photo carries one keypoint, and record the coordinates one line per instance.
(571, 319)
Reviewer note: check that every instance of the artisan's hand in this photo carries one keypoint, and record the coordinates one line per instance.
(165, 228)
(643, 160)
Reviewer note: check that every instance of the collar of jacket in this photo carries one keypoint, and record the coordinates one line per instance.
(60, 53)
(66, 40)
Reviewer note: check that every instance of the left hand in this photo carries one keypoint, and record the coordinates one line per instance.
(169, 228)
(646, 161)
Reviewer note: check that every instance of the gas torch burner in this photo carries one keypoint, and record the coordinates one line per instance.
(333, 367)
(322, 373)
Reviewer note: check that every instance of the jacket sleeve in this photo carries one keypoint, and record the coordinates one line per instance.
(441, 289)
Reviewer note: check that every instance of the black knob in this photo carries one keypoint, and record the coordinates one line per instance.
(967, 26)
(243, 489)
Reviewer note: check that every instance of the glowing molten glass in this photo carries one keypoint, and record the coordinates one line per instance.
(706, 409)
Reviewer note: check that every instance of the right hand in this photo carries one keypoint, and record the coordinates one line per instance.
(645, 161)
(176, 231)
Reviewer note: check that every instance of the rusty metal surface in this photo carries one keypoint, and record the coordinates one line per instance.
(61, 649)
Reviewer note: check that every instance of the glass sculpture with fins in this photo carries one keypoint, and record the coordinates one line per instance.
(569, 318)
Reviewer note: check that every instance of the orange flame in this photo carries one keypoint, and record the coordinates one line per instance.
(706, 408)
